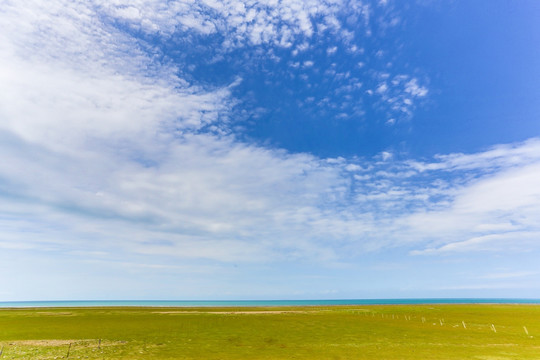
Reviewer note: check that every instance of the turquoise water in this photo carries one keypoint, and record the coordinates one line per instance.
(254, 303)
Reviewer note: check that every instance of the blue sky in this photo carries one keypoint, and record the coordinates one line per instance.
(269, 149)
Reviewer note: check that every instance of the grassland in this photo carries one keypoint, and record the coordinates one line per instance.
(485, 332)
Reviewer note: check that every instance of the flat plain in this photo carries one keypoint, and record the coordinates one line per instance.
(484, 332)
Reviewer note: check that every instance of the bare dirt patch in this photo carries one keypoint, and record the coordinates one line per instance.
(63, 342)
(52, 342)
(270, 312)
(54, 313)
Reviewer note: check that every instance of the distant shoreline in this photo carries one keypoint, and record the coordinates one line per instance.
(262, 303)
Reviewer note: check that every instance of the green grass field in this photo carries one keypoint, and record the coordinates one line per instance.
(341, 332)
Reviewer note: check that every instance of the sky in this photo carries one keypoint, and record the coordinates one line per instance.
(300, 149)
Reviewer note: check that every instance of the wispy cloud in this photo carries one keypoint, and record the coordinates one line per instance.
(509, 275)
(483, 286)
(494, 203)
(278, 30)
(243, 22)
(107, 148)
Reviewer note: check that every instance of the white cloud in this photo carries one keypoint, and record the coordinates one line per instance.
(353, 167)
(509, 275)
(103, 151)
(246, 21)
(121, 163)
(331, 50)
(495, 211)
(483, 286)
(398, 95)
(491, 242)
(414, 89)
(499, 156)
(382, 88)
(386, 155)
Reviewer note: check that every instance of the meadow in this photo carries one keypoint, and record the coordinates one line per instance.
(488, 332)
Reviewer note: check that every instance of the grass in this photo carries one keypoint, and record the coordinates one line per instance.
(339, 332)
